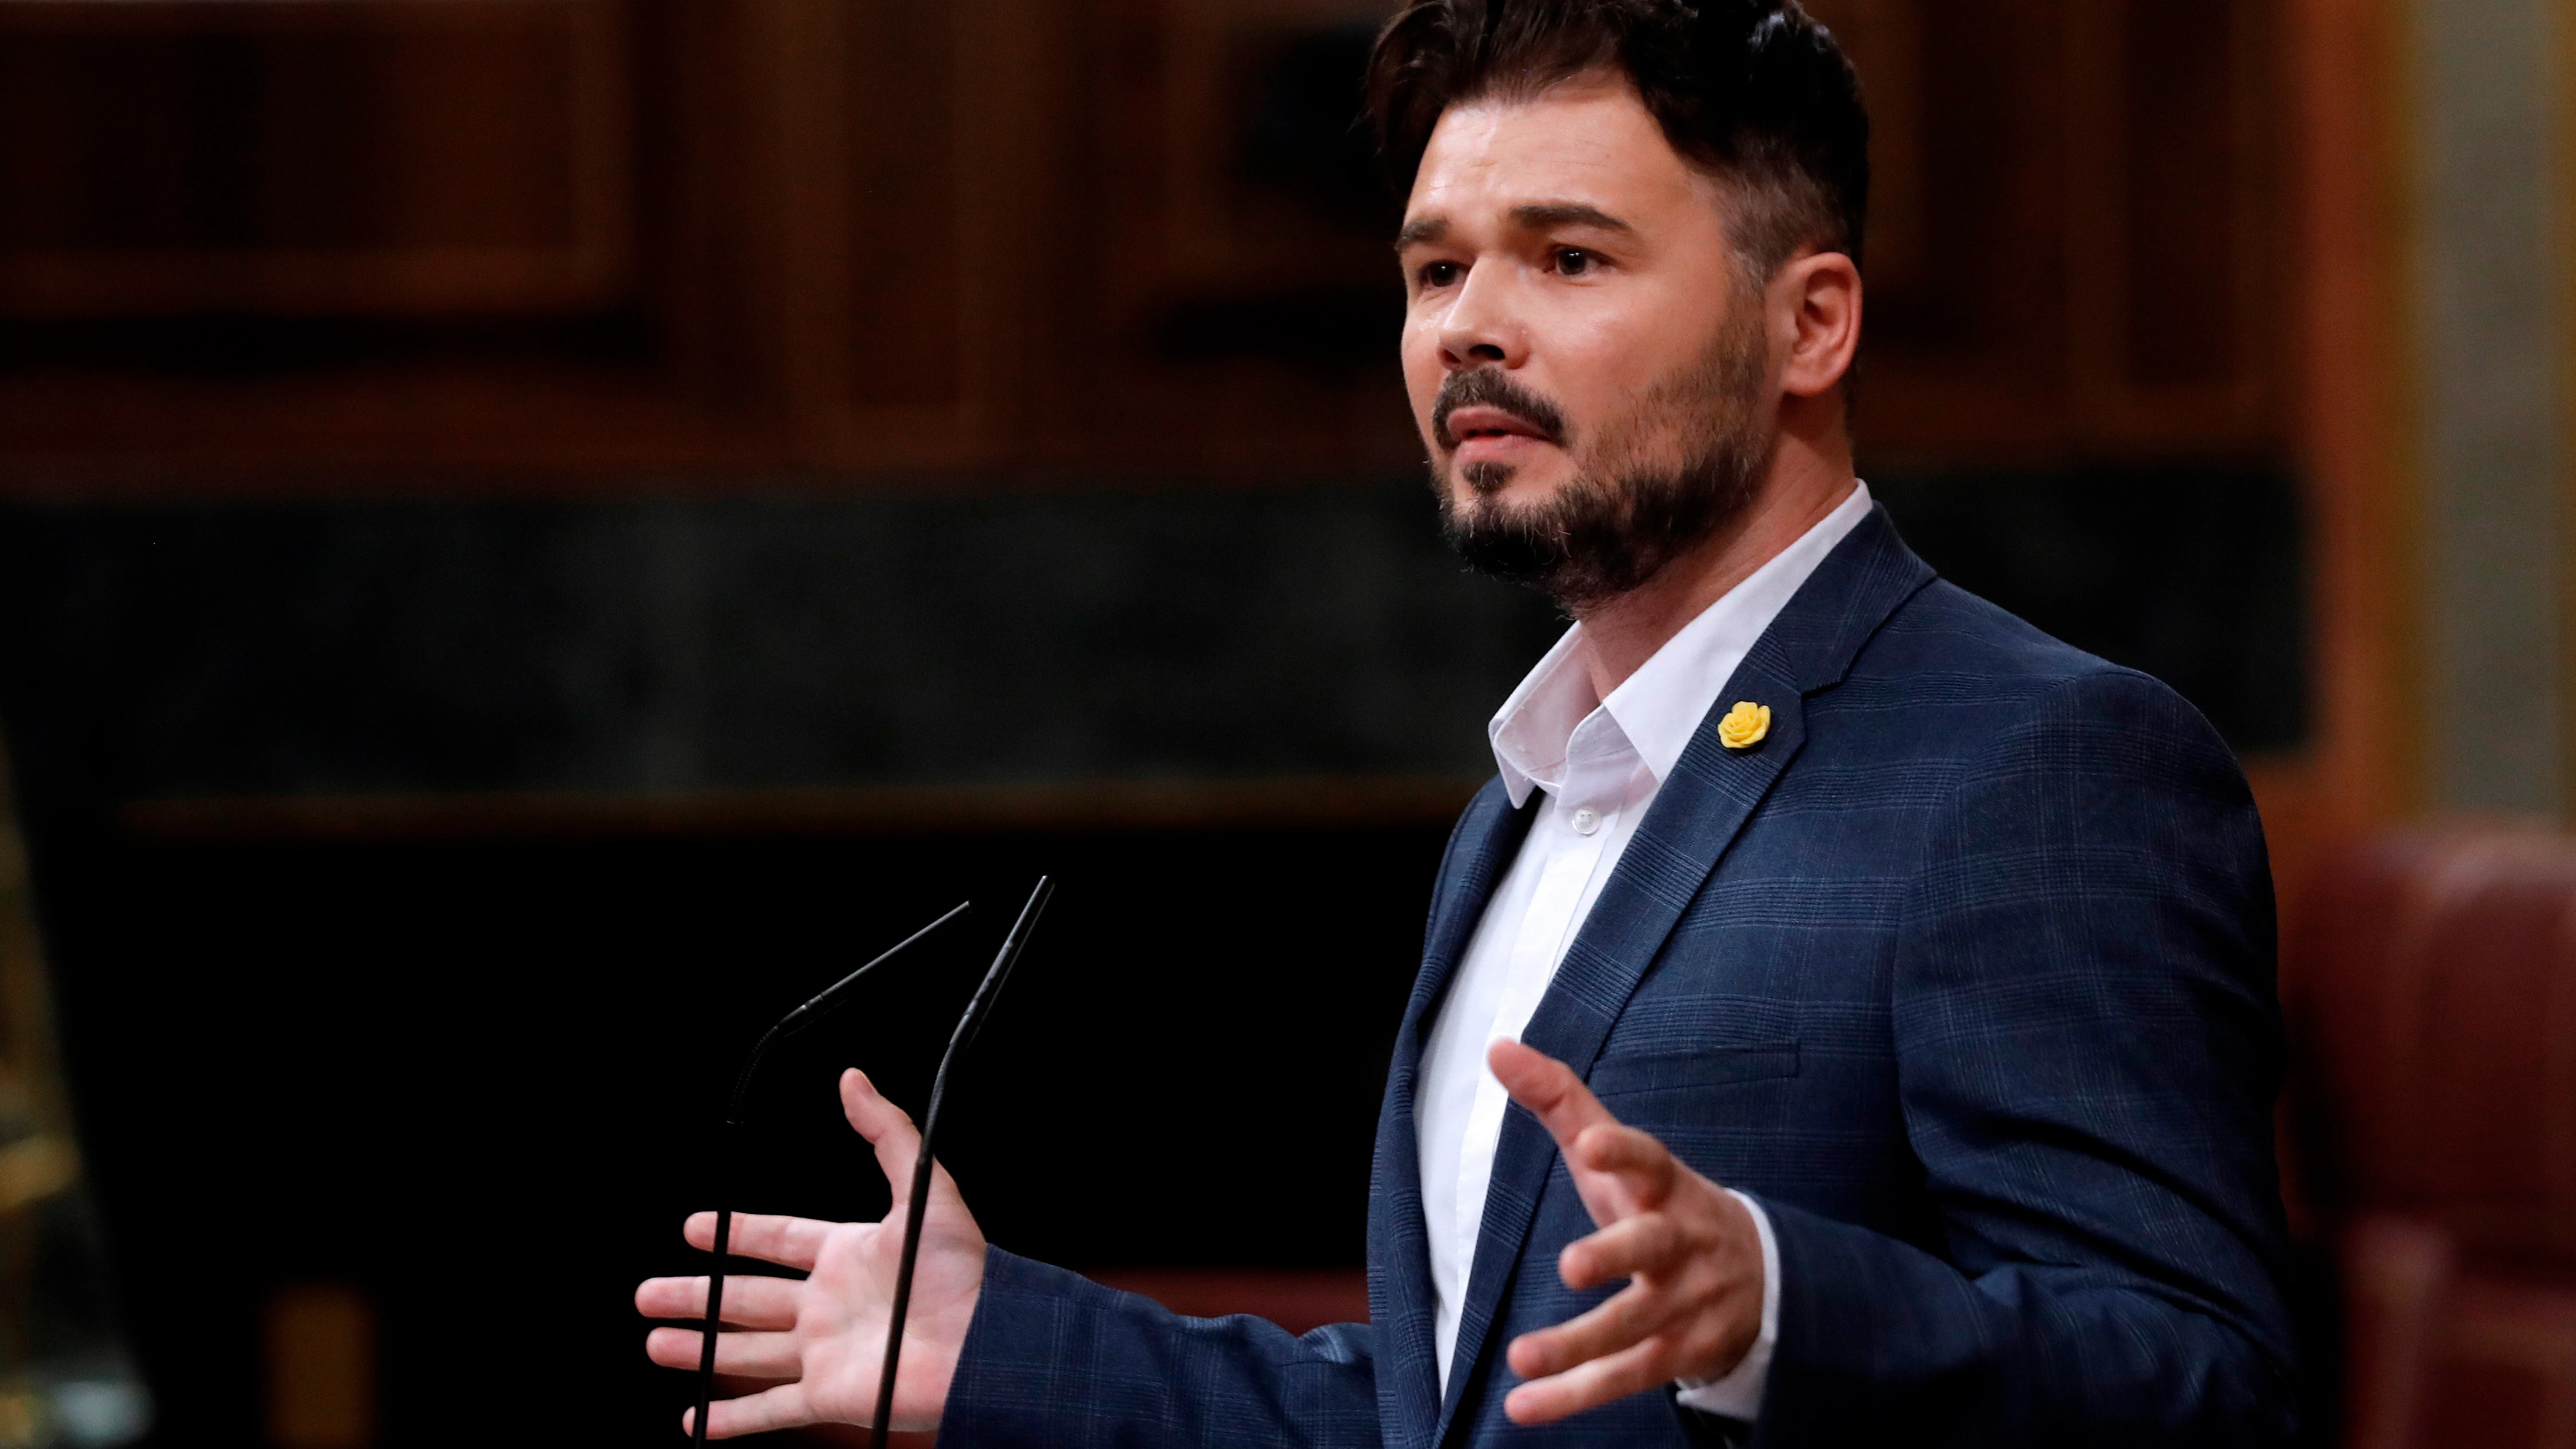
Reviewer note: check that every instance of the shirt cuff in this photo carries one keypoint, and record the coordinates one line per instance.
(1738, 1394)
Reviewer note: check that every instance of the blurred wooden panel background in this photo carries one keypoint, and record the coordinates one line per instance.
(335, 157)
(2074, 228)
(572, 238)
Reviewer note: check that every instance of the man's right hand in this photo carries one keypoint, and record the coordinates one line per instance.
(821, 1341)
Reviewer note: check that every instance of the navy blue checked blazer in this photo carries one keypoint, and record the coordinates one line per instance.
(1965, 972)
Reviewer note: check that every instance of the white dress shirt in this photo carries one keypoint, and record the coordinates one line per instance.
(1600, 762)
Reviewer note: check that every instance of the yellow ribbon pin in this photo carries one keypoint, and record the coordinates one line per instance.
(1744, 725)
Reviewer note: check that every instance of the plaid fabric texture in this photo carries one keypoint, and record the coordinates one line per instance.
(1965, 972)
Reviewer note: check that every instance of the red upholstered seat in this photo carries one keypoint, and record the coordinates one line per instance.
(2430, 980)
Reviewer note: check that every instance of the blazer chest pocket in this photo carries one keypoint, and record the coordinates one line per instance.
(1707, 1067)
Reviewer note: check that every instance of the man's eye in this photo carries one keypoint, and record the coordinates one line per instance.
(1573, 261)
(1439, 274)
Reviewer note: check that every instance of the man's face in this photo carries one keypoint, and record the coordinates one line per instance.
(1586, 359)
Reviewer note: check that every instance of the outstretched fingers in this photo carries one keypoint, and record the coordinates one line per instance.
(740, 1355)
(1644, 1166)
(1589, 1385)
(783, 1407)
(1631, 1315)
(1549, 1089)
(887, 1127)
(788, 1242)
(1648, 1243)
(751, 1300)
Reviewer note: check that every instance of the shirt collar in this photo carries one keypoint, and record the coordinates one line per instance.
(1531, 731)
(1660, 707)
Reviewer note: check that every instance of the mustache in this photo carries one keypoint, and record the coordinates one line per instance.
(1488, 387)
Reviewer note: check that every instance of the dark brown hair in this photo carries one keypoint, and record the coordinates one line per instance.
(1753, 91)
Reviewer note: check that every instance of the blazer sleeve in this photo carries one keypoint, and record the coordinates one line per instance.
(1055, 1361)
(2088, 1048)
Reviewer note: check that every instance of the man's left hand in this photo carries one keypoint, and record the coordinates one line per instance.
(1690, 1250)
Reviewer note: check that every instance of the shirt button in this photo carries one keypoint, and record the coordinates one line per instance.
(1586, 820)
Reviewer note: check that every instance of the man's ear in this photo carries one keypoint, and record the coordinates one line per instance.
(1816, 302)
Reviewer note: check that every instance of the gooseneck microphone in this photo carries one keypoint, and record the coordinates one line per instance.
(788, 1025)
(968, 1027)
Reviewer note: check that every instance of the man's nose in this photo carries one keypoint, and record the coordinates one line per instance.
(1481, 329)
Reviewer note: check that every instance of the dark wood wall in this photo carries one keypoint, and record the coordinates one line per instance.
(2074, 243)
(589, 237)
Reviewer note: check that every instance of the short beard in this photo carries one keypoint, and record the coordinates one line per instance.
(1622, 519)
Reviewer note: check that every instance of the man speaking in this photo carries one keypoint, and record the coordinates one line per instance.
(1848, 1017)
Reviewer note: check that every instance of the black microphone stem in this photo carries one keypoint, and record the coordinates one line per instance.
(969, 1027)
(728, 1154)
(728, 1151)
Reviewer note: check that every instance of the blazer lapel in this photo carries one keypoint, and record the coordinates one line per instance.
(1401, 1302)
(1696, 815)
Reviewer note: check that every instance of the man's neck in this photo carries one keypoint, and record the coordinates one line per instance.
(1621, 634)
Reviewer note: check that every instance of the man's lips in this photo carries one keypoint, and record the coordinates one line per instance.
(1487, 434)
